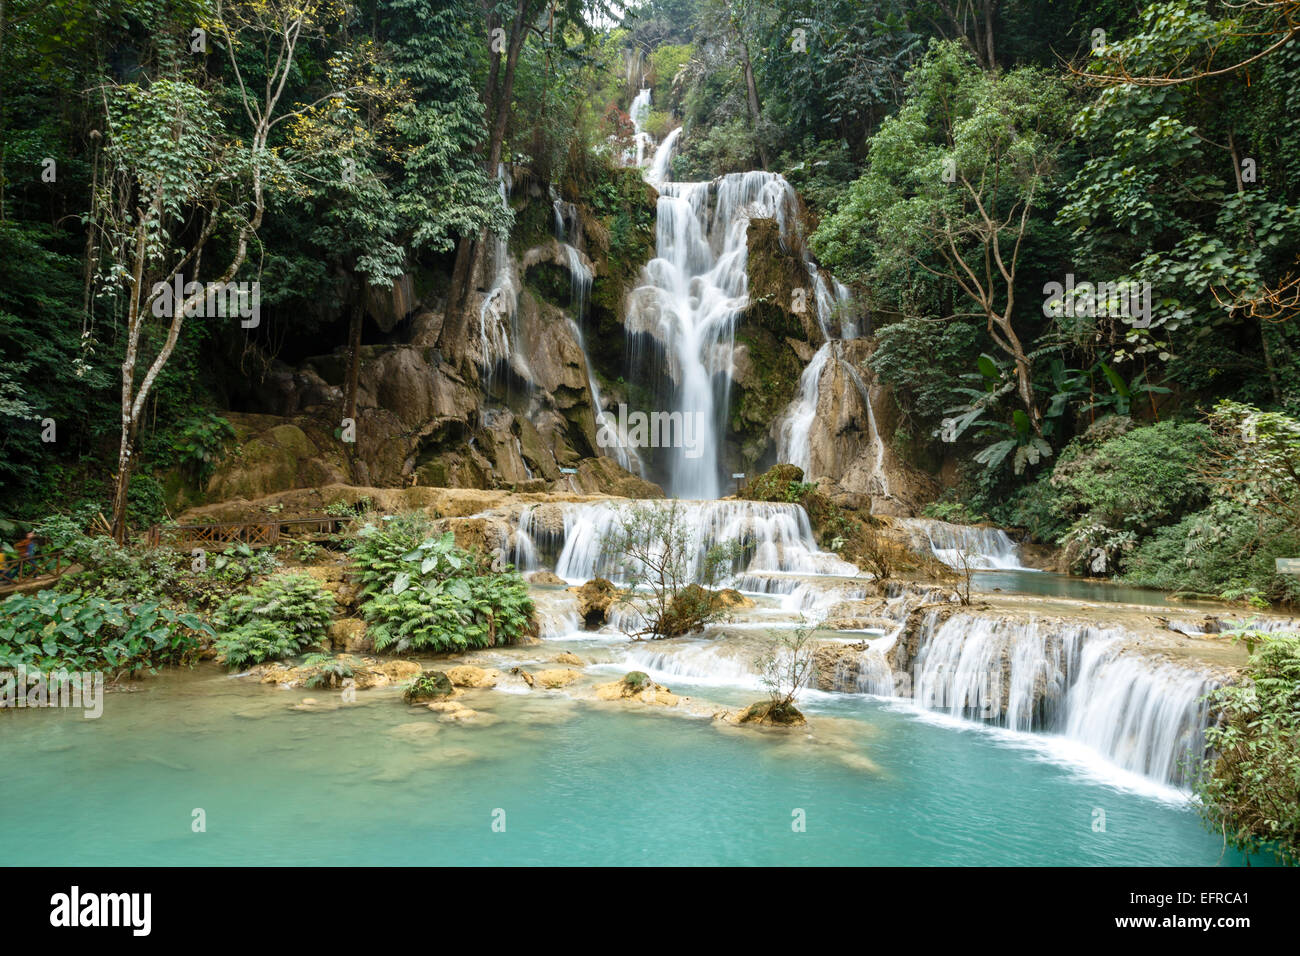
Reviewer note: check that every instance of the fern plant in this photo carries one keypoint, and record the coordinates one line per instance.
(331, 671)
(279, 618)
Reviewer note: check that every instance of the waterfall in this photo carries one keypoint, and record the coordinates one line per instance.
(793, 444)
(794, 428)
(775, 538)
(623, 453)
(637, 113)
(658, 171)
(693, 292)
(1068, 679)
(984, 548)
(498, 311)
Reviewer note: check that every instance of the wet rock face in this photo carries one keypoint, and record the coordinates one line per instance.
(605, 476)
(595, 599)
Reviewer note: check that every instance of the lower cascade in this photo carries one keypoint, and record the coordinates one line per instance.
(1076, 681)
(980, 548)
(774, 537)
(1143, 715)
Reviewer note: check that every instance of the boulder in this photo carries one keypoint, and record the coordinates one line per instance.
(430, 685)
(547, 577)
(771, 713)
(637, 686)
(349, 634)
(594, 600)
(556, 678)
(467, 675)
(604, 476)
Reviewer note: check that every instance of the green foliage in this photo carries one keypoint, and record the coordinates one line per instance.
(1141, 479)
(1227, 549)
(329, 671)
(666, 62)
(278, 618)
(1230, 547)
(459, 612)
(146, 504)
(1119, 485)
(430, 685)
(1250, 790)
(379, 550)
(50, 631)
(957, 512)
(426, 594)
(199, 443)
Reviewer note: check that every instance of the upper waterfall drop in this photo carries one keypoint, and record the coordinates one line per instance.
(694, 291)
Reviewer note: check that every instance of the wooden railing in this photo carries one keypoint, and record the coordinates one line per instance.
(16, 571)
(257, 534)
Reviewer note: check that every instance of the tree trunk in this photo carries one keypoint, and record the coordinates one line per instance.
(121, 484)
(755, 106)
(452, 340)
(990, 10)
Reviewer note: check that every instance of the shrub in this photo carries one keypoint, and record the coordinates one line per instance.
(450, 614)
(1137, 481)
(330, 671)
(1226, 549)
(427, 686)
(49, 631)
(1121, 485)
(111, 570)
(434, 596)
(278, 618)
(668, 582)
(146, 504)
(1250, 789)
(380, 551)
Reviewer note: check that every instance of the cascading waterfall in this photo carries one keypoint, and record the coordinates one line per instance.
(580, 280)
(1069, 679)
(794, 430)
(983, 548)
(499, 309)
(695, 289)
(793, 443)
(637, 113)
(658, 170)
(775, 538)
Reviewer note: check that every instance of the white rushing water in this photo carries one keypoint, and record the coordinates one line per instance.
(693, 292)
(982, 548)
(775, 538)
(1143, 715)
(498, 311)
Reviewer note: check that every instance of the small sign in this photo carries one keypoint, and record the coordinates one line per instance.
(740, 475)
(568, 471)
(1288, 565)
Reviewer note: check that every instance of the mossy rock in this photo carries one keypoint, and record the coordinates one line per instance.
(771, 712)
(431, 685)
(778, 483)
(636, 681)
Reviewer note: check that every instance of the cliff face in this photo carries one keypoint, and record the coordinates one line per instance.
(548, 332)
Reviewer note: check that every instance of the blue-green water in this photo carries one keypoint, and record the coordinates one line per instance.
(379, 782)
